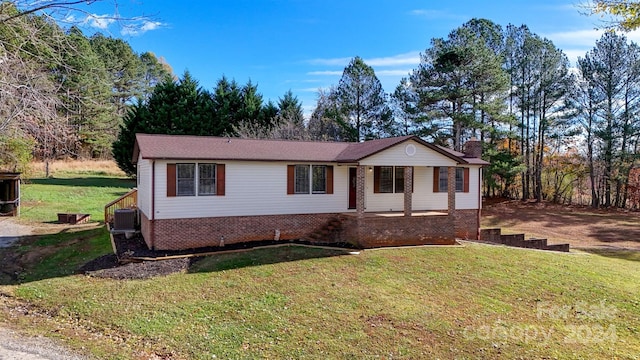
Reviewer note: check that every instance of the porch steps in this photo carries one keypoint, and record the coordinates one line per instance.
(326, 233)
(518, 240)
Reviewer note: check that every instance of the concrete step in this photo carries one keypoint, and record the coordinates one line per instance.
(535, 243)
(558, 247)
(516, 240)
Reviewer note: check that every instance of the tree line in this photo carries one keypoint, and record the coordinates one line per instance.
(550, 131)
(63, 94)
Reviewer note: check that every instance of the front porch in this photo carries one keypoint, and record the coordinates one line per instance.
(394, 214)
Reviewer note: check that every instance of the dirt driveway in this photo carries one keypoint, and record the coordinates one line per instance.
(580, 226)
(16, 347)
(10, 231)
(12, 345)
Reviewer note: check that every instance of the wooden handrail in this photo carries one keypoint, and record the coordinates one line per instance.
(126, 201)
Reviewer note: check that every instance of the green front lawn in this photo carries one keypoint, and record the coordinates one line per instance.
(475, 301)
(472, 302)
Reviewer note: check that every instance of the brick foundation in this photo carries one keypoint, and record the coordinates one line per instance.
(370, 232)
(466, 224)
(176, 234)
(365, 232)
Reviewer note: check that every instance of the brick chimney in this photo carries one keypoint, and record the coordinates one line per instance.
(473, 148)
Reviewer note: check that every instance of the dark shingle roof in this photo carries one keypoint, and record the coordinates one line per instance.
(188, 147)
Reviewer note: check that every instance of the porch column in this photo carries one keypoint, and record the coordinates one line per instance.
(360, 176)
(451, 189)
(408, 190)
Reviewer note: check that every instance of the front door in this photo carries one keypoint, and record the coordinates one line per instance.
(353, 187)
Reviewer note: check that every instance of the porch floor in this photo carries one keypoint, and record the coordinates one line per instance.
(398, 213)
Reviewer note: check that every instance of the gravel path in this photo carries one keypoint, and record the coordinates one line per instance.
(12, 345)
(16, 347)
(10, 232)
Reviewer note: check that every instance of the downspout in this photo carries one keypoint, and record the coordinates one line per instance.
(152, 230)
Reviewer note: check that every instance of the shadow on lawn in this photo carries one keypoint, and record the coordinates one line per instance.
(261, 256)
(107, 266)
(630, 255)
(87, 181)
(38, 257)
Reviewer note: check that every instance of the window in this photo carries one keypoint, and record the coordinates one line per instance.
(309, 179)
(388, 179)
(441, 179)
(319, 179)
(186, 179)
(302, 179)
(190, 179)
(206, 179)
(459, 179)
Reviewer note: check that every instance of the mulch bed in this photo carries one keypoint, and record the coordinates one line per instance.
(128, 263)
(107, 266)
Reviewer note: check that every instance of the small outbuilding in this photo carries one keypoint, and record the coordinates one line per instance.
(9, 194)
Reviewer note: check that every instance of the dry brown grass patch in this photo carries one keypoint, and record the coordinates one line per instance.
(63, 167)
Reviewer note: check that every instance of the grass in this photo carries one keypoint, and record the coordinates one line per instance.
(473, 302)
(466, 302)
(72, 189)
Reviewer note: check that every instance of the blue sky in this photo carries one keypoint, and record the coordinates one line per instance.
(304, 45)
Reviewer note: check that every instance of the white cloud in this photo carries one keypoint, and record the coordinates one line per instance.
(410, 58)
(435, 14)
(577, 43)
(399, 72)
(150, 25)
(325, 73)
(312, 89)
(330, 62)
(101, 22)
(141, 28)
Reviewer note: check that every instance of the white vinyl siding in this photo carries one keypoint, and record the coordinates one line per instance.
(469, 200)
(422, 197)
(252, 188)
(144, 186)
(397, 156)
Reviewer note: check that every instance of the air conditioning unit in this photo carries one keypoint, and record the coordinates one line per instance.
(124, 219)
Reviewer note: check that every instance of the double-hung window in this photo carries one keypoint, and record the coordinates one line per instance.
(186, 175)
(319, 179)
(388, 179)
(309, 179)
(206, 179)
(191, 179)
(302, 179)
(441, 179)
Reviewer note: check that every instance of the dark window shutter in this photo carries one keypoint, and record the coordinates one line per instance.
(466, 180)
(220, 179)
(329, 179)
(171, 180)
(436, 179)
(291, 171)
(376, 179)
